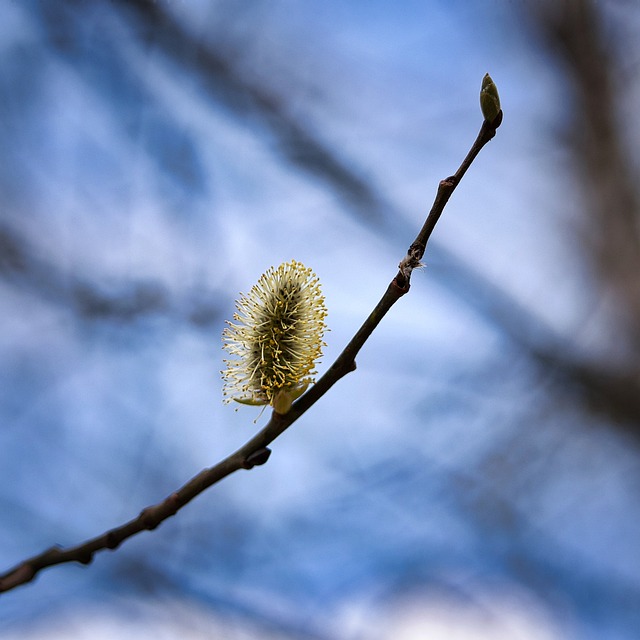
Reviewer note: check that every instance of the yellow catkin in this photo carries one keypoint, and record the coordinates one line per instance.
(275, 339)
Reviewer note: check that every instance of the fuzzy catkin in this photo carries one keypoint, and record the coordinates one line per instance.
(276, 338)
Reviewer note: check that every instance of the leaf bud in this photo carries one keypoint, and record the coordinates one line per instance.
(489, 99)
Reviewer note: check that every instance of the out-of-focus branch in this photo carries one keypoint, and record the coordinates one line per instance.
(575, 31)
(151, 22)
(154, 22)
(123, 302)
(602, 388)
(255, 451)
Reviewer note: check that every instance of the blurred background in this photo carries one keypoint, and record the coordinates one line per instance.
(478, 476)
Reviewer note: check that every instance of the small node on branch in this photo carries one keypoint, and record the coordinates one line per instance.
(52, 552)
(255, 459)
(449, 183)
(173, 503)
(149, 519)
(410, 262)
(112, 540)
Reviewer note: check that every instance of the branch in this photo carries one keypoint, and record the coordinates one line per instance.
(255, 452)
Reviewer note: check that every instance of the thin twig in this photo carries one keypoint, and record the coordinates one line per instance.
(255, 451)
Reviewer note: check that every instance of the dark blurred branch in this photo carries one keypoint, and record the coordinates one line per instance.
(576, 32)
(601, 388)
(255, 451)
(153, 24)
(121, 302)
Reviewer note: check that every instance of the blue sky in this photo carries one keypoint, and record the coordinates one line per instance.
(440, 488)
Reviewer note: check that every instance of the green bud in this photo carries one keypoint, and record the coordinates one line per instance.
(283, 399)
(489, 99)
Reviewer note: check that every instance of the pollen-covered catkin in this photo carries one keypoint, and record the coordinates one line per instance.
(275, 339)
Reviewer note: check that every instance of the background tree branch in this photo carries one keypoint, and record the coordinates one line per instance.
(574, 32)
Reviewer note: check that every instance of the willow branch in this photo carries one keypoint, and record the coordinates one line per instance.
(255, 452)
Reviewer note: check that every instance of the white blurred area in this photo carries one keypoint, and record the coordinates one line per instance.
(487, 615)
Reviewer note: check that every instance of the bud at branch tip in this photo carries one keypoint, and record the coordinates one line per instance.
(489, 99)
